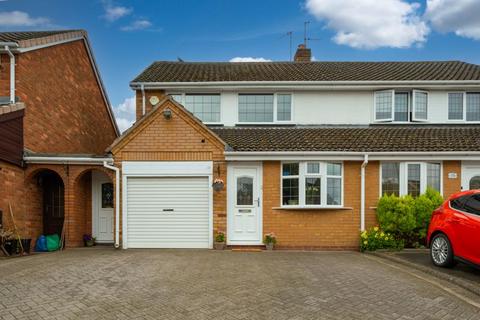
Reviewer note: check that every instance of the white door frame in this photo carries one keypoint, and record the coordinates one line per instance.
(159, 169)
(96, 199)
(468, 166)
(231, 200)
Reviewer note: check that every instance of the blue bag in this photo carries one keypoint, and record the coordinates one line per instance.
(41, 244)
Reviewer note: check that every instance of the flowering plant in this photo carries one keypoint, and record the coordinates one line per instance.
(270, 238)
(87, 237)
(374, 239)
(220, 237)
(218, 181)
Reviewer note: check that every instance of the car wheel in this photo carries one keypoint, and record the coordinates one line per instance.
(441, 251)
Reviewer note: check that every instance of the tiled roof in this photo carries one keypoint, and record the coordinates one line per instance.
(33, 38)
(354, 139)
(163, 71)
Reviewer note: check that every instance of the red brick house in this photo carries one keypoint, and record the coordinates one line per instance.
(55, 124)
(304, 149)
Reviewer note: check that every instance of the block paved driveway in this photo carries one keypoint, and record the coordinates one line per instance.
(195, 284)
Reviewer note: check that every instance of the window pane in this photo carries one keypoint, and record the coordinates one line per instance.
(433, 176)
(107, 195)
(455, 106)
(334, 169)
(401, 106)
(284, 107)
(474, 183)
(255, 108)
(204, 107)
(421, 101)
(383, 105)
(334, 191)
(177, 97)
(290, 169)
(312, 191)
(473, 106)
(458, 202)
(245, 191)
(313, 167)
(290, 192)
(413, 187)
(472, 205)
(391, 178)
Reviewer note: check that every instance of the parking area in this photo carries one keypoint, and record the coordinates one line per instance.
(103, 283)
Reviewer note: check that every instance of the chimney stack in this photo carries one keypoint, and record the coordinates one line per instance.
(303, 54)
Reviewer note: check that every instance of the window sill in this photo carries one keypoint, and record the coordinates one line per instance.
(311, 208)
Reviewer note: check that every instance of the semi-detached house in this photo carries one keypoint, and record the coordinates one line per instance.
(304, 149)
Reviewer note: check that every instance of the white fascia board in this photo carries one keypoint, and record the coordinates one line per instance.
(50, 44)
(307, 85)
(352, 156)
(69, 160)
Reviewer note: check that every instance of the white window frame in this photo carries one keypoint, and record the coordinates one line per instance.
(464, 107)
(183, 94)
(275, 109)
(375, 105)
(302, 175)
(403, 176)
(409, 106)
(414, 112)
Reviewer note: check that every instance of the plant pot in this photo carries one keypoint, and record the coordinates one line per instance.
(269, 246)
(11, 246)
(26, 243)
(219, 245)
(89, 243)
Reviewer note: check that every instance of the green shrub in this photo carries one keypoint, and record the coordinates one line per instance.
(407, 218)
(374, 239)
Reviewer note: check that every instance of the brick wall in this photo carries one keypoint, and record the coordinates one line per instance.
(148, 106)
(4, 75)
(179, 139)
(65, 111)
(312, 229)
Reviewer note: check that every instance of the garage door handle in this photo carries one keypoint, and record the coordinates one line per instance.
(167, 210)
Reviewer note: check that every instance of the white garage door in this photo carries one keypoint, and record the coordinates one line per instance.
(170, 212)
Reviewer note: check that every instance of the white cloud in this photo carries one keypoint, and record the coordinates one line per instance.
(21, 19)
(458, 16)
(125, 113)
(113, 13)
(140, 24)
(370, 24)
(249, 59)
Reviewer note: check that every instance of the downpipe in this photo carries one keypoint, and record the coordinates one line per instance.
(362, 192)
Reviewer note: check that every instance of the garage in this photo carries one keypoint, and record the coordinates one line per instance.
(169, 207)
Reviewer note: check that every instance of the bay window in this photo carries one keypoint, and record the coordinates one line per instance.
(464, 106)
(401, 106)
(264, 108)
(312, 184)
(413, 178)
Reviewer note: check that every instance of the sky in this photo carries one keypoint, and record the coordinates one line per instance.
(127, 36)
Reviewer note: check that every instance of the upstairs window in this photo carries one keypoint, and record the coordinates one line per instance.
(464, 106)
(205, 107)
(401, 106)
(264, 108)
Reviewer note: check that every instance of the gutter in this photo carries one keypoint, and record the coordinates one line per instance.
(362, 192)
(117, 202)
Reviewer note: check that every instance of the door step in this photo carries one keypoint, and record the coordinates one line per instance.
(258, 248)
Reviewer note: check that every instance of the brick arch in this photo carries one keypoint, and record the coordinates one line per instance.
(33, 170)
(81, 171)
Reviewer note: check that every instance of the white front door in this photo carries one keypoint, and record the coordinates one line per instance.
(244, 225)
(102, 207)
(470, 175)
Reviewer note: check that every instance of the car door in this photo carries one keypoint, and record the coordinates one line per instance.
(467, 225)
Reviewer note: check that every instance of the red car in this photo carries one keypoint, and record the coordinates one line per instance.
(454, 231)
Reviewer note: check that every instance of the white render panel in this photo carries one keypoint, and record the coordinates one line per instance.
(168, 212)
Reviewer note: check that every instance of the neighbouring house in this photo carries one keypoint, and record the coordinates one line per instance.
(55, 124)
(304, 149)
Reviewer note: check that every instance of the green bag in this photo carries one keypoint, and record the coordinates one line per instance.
(53, 242)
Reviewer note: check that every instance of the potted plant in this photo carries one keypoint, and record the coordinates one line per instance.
(270, 240)
(88, 240)
(218, 184)
(220, 240)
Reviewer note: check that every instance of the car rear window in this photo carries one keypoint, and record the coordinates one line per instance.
(458, 203)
